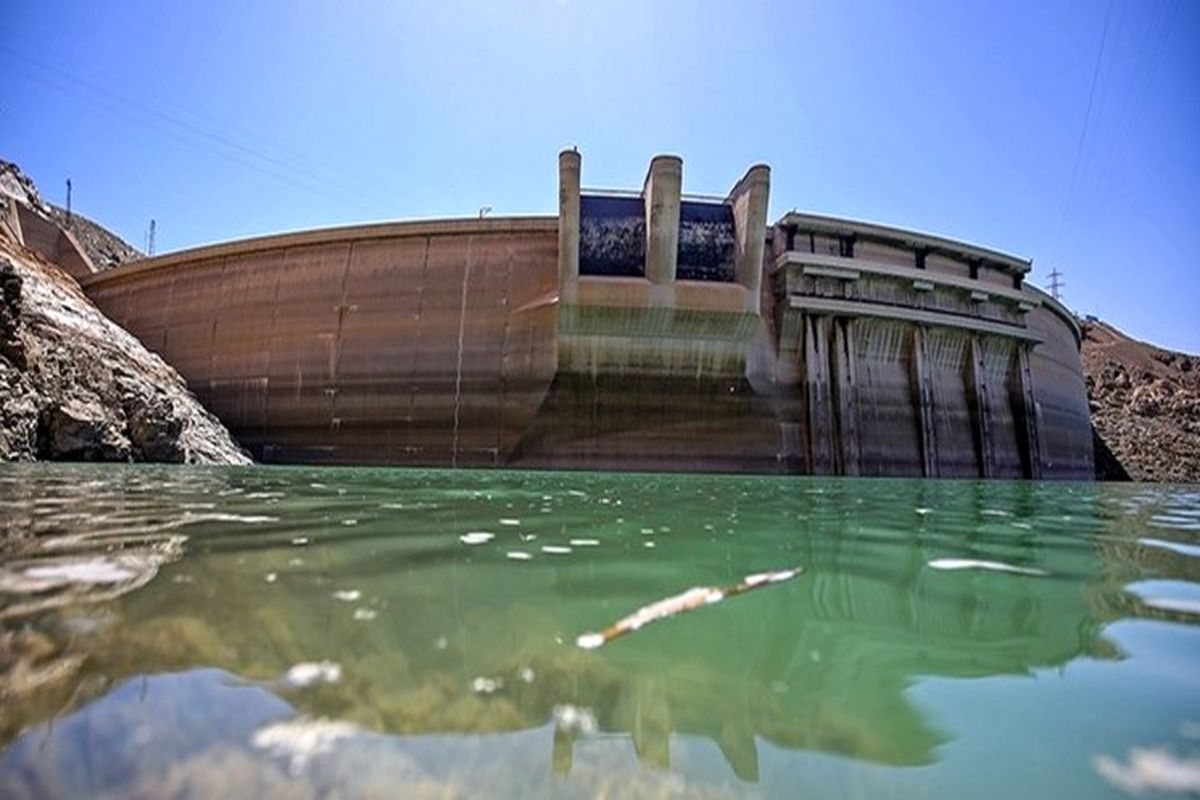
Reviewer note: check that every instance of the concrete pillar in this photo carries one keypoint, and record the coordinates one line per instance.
(662, 193)
(1029, 408)
(817, 395)
(923, 396)
(983, 409)
(568, 225)
(749, 200)
(845, 400)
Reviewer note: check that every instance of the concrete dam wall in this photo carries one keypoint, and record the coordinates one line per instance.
(635, 330)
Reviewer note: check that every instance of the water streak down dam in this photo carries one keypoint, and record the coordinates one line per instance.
(637, 330)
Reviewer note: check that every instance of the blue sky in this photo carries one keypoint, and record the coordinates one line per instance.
(1068, 132)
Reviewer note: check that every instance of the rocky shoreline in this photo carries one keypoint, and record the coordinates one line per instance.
(75, 386)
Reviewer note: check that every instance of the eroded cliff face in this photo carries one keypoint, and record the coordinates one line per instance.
(75, 386)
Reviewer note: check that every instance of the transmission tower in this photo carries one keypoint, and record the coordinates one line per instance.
(1056, 284)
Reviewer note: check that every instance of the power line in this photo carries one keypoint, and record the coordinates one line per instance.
(1149, 55)
(1087, 116)
(290, 172)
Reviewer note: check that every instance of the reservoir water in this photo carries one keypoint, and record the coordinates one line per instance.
(296, 632)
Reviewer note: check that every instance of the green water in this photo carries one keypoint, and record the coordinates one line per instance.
(329, 632)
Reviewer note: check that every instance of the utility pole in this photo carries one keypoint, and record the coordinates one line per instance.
(1056, 284)
(68, 201)
(150, 239)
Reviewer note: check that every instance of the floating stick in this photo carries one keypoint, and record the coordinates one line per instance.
(690, 600)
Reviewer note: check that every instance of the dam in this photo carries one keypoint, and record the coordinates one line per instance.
(636, 330)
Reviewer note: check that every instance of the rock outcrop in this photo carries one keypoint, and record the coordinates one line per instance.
(1145, 404)
(75, 386)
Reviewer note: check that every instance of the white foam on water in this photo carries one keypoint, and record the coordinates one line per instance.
(557, 550)
(994, 566)
(300, 541)
(249, 519)
(365, 614)
(300, 740)
(585, 542)
(485, 685)
(526, 674)
(97, 570)
(271, 577)
(347, 595)
(1156, 769)
(647, 531)
(311, 673)
(649, 545)
(517, 555)
(509, 521)
(575, 719)
(477, 537)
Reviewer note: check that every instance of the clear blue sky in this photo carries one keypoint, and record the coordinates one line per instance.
(1068, 132)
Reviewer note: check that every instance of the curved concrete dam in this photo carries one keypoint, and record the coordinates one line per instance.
(636, 330)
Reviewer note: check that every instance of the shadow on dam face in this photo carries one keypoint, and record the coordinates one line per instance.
(636, 330)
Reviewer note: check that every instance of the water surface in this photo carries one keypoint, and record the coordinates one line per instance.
(305, 632)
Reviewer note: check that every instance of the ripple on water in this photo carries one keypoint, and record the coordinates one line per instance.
(992, 566)
(1179, 548)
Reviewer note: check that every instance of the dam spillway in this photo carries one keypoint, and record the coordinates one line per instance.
(636, 330)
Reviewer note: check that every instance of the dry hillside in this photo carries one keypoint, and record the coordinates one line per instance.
(1145, 404)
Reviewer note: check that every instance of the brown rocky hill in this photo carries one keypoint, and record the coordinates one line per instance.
(104, 248)
(73, 384)
(1145, 404)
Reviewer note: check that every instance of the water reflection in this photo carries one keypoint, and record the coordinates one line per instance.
(402, 581)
